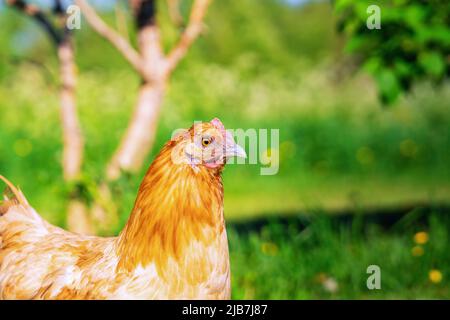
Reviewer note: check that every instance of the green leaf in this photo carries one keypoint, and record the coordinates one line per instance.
(355, 43)
(373, 65)
(388, 85)
(433, 63)
(414, 16)
(413, 42)
(439, 34)
(402, 68)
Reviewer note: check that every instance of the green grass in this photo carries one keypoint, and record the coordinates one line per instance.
(250, 197)
(288, 262)
(330, 157)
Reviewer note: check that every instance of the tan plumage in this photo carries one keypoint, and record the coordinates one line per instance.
(174, 245)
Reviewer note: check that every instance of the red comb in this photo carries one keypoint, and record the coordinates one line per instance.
(218, 124)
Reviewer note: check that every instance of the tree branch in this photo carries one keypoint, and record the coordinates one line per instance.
(144, 12)
(139, 135)
(122, 45)
(121, 22)
(191, 32)
(58, 8)
(72, 137)
(60, 12)
(36, 13)
(73, 142)
(174, 12)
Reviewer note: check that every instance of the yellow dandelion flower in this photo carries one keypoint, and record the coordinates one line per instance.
(417, 251)
(421, 237)
(270, 156)
(321, 277)
(435, 276)
(269, 248)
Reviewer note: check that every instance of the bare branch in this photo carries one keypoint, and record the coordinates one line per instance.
(174, 12)
(36, 13)
(122, 45)
(78, 219)
(73, 142)
(191, 32)
(121, 21)
(58, 8)
(144, 12)
(72, 138)
(140, 134)
(60, 12)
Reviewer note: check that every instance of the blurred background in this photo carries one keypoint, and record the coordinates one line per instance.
(364, 151)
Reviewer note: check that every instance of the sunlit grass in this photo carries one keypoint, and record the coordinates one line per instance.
(303, 192)
(329, 260)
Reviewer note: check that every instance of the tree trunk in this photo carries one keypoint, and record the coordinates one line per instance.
(73, 141)
(140, 134)
(104, 212)
(73, 144)
(78, 218)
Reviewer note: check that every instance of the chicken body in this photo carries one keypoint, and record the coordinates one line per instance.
(40, 261)
(174, 245)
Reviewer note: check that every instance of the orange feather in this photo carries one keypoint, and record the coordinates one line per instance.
(174, 244)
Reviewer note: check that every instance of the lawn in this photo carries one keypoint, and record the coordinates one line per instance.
(326, 258)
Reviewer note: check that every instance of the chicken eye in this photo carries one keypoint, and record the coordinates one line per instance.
(206, 141)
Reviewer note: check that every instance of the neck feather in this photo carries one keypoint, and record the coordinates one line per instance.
(174, 206)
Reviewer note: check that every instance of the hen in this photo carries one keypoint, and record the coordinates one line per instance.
(174, 245)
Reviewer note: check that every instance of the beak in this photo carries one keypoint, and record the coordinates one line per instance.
(232, 149)
(238, 151)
